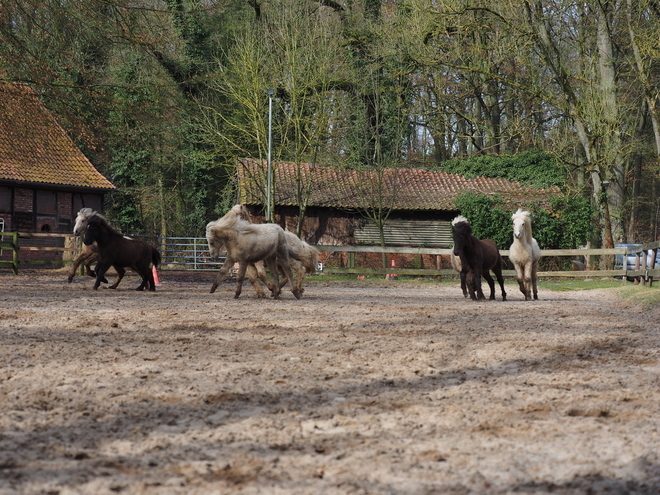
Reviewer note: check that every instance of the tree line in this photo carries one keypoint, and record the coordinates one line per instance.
(165, 96)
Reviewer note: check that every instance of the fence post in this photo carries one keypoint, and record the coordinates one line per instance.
(13, 245)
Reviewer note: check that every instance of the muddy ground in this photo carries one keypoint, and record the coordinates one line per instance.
(357, 388)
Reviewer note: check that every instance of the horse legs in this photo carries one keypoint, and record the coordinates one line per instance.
(101, 268)
(254, 276)
(120, 274)
(300, 271)
(497, 270)
(274, 275)
(286, 267)
(530, 281)
(523, 276)
(520, 278)
(240, 277)
(86, 259)
(463, 284)
(476, 281)
(467, 283)
(147, 278)
(229, 262)
(491, 284)
(76, 264)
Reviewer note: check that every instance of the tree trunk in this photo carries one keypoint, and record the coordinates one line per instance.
(615, 161)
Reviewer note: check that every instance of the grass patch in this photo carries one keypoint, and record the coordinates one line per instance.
(561, 284)
(641, 295)
(554, 284)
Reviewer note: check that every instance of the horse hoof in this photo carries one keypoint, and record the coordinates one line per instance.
(213, 288)
(70, 279)
(297, 294)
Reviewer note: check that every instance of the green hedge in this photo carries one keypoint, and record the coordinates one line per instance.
(568, 223)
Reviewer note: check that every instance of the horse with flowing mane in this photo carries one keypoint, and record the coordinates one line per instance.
(247, 243)
(303, 257)
(525, 254)
(477, 256)
(304, 260)
(119, 252)
(88, 254)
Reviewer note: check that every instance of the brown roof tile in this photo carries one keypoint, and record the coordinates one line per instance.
(409, 189)
(34, 148)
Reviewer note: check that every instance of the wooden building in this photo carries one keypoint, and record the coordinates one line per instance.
(44, 177)
(422, 201)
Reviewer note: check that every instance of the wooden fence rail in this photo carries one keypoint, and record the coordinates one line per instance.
(644, 272)
(171, 248)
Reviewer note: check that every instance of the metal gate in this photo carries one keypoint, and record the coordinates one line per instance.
(187, 253)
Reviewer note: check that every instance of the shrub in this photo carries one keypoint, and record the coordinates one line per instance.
(569, 223)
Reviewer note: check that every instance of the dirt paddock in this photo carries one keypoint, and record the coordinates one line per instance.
(387, 388)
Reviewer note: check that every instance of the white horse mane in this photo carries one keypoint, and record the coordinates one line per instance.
(231, 222)
(459, 219)
(83, 217)
(523, 216)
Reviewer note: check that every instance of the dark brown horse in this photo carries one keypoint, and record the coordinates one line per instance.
(119, 252)
(477, 257)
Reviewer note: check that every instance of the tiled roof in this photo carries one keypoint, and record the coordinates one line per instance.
(408, 189)
(34, 148)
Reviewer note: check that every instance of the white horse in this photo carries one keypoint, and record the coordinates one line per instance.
(525, 254)
(304, 260)
(88, 254)
(247, 243)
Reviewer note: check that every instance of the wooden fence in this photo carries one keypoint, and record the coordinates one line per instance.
(644, 271)
(189, 254)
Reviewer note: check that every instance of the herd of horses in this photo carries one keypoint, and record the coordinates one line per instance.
(257, 246)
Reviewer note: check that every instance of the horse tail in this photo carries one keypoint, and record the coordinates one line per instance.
(303, 252)
(155, 256)
(310, 258)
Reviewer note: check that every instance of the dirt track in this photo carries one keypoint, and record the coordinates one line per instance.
(395, 388)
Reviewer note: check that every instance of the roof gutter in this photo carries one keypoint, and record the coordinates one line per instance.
(59, 187)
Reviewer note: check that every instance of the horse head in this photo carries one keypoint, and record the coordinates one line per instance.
(522, 224)
(92, 230)
(461, 232)
(81, 220)
(241, 211)
(216, 243)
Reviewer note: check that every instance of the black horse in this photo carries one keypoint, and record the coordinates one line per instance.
(118, 251)
(477, 257)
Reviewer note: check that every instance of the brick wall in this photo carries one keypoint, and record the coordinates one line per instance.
(23, 200)
(64, 204)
